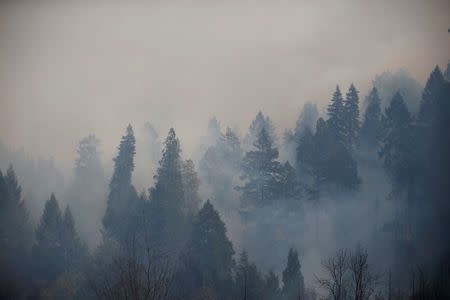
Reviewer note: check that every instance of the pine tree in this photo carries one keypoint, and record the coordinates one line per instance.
(88, 190)
(48, 252)
(336, 117)
(213, 131)
(259, 123)
(447, 72)
(430, 97)
(191, 184)
(75, 252)
(260, 172)
(397, 148)
(371, 129)
(351, 117)
(208, 253)
(249, 282)
(167, 198)
(122, 195)
(231, 146)
(306, 154)
(218, 167)
(306, 120)
(271, 286)
(16, 233)
(293, 282)
(15, 227)
(290, 187)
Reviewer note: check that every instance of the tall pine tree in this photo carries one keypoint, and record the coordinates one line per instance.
(259, 123)
(167, 198)
(430, 96)
(397, 150)
(249, 283)
(293, 282)
(260, 172)
(371, 129)
(48, 252)
(336, 117)
(351, 117)
(122, 195)
(88, 190)
(208, 254)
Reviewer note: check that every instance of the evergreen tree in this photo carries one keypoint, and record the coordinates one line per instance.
(397, 149)
(231, 146)
(48, 252)
(122, 195)
(351, 117)
(218, 166)
(430, 97)
(249, 282)
(371, 129)
(293, 282)
(213, 132)
(290, 187)
(16, 234)
(15, 227)
(191, 184)
(208, 254)
(260, 172)
(447, 72)
(336, 117)
(306, 154)
(271, 286)
(87, 192)
(307, 119)
(75, 252)
(167, 198)
(332, 163)
(259, 123)
(320, 153)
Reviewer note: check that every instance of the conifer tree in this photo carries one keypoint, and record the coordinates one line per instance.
(208, 253)
(289, 182)
(16, 233)
(306, 154)
(249, 282)
(397, 148)
(75, 252)
(293, 282)
(88, 190)
(15, 227)
(447, 72)
(306, 120)
(271, 286)
(259, 123)
(167, 198)
(122, 195)
(371, 129)
(336, 117)
(430, 96)
(48, 252)
(351, 117)
(191, 184)
(260, 172)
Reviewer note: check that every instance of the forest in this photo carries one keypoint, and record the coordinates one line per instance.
(351, 203)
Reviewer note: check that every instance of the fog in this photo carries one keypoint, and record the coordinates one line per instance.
(221, 73)
(70, 69)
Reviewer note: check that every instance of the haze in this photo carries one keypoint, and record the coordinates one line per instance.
(67, 70)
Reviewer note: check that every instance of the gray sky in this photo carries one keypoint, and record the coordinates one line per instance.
(67, 70)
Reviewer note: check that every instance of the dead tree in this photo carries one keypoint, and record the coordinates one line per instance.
(363, 281)
(335, 282)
